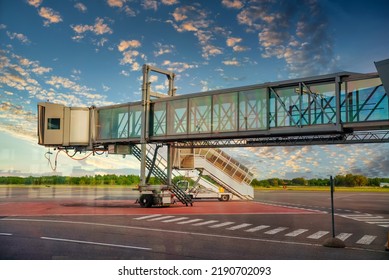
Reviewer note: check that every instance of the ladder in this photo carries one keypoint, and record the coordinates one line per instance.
(160, 173)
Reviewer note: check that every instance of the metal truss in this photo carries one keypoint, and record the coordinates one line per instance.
(348, 138)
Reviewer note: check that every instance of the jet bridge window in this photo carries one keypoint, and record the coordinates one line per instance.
(53, 123)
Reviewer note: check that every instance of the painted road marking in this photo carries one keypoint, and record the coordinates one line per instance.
(318, 234)
(369, 219)
(5, 234)
(343, 236)
(296, 232)
(175, 220)
(258, 228)
(383, 221)
(239, 226)
(190, 221)
(147, 217)
(358, 215)
(95, 243)
(276, 230)
(161, 218)
(222, 225)
(366, 239)
(205, 223)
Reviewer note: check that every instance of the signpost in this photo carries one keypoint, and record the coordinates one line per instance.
(333, 241)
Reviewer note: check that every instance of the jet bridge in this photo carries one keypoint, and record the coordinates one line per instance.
(339, 108)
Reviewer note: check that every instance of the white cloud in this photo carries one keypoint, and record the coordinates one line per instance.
(232, 41)
(211, 50)
(238, 48)
(128, 44)
(194, 19)
(99, 28)
(20, 37)
(41, 70)
(170, 2)
(177, 67)
(129, 57)
(81, 7)
(124, 73)
(50, 15)
(35, 3)
(105, 88)
(150, 4)
(135, 66)
(121, 4)
(129, 12)
(288, 33)
(153, 78)
(116, 3)
(163, 49)
(235, 4)
(231, 62)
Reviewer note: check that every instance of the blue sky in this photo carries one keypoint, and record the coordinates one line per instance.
(83, 53)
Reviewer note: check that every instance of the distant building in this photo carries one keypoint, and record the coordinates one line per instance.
(384, 185)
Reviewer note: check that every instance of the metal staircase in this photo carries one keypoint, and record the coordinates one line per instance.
(229, 173)
(157, 171)
(225, 170)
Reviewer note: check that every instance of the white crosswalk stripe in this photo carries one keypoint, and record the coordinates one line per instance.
(366, 239)
(205, 223)
(148, 217)
(175, 220)
(222, 225)
(318, 234)
(189, 221)
(239, 226)
(381, 221)
(276, 230)
(258, 228)
(161, 218)
(343, 236)
(369, 219)
(296, 232)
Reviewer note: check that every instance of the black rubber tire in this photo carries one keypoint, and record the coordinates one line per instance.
(224, 197)
(146, 200)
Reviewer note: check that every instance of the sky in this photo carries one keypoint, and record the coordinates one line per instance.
(91, 52)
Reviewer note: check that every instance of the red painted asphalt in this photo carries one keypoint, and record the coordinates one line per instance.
(121, 207)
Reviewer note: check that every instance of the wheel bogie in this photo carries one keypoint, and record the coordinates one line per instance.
(224, 197)
(146, 200)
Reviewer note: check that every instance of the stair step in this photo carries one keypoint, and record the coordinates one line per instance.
(161, 174)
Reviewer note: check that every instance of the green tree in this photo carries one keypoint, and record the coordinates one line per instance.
(360, 180)
(299, 181)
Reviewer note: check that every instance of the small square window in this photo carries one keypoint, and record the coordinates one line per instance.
(53, 123)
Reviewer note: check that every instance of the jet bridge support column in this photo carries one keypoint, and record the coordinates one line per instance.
(145, 124)
(147, 94)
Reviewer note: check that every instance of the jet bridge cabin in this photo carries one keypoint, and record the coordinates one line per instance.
(61, 126)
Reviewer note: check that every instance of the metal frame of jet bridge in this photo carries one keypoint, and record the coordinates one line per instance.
(339, 108)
